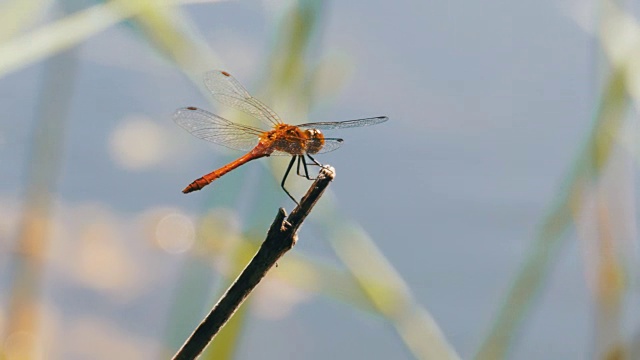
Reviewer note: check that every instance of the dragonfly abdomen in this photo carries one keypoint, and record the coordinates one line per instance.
(259, 151)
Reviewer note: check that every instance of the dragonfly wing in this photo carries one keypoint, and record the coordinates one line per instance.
(330, 145)
(345, 124)
(217, 129)
(280, 153)
(227, 90)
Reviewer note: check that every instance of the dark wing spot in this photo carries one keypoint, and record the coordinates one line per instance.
(192, 108)
(225, 73)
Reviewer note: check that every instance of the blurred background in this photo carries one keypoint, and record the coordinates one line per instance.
(493, 216)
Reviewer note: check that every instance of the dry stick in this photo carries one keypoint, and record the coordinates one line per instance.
(280, 239)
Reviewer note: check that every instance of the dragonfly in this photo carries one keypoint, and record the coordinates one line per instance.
(296, 141)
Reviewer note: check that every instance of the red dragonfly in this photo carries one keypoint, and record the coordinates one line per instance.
(283, 139)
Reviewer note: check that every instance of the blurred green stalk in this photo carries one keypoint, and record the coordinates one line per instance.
(43, 172)
(546, 246)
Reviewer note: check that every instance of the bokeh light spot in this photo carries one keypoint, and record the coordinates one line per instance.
(137, 143)
(175, 233)
(102, 262)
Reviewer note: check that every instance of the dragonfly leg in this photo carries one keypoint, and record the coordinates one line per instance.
(306, 171)
(304, 164)
(314, 161)
(298, 167)
(286, 173)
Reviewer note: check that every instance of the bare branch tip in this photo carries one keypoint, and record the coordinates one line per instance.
(328, 171)
(278, 222)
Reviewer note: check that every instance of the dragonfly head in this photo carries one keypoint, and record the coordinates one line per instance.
(315, 140)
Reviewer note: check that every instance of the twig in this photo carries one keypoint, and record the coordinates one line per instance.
(282, 236)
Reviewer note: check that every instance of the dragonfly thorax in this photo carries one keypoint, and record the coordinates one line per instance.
(293, 140)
